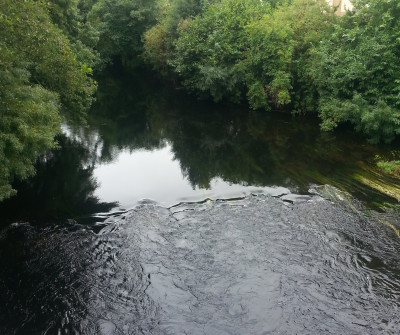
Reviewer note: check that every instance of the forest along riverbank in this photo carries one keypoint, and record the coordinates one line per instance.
(289, 264)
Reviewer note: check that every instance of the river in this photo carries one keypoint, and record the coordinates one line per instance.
(167, 215)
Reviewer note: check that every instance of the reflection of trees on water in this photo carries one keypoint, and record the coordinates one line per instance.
(119, 119)
(255, 149)
(241, 147)
(262, 149)
(63, 187)
(208, 140)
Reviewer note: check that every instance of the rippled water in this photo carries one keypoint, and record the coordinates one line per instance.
(258, 265)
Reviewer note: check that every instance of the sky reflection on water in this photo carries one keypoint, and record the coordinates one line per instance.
(156, 175)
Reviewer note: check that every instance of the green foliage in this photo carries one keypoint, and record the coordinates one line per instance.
(294, 54)
(279, 47)
(39, 76)
(392, 167)
(29, 121)
(179, 10)
(389, 163)
(65, 14)
(379, 122)
(71, 17)
(357, 72)
(160, 39)
(210, 48)
(237, 47)
(121, 25)
(51, 62)
(158, 47)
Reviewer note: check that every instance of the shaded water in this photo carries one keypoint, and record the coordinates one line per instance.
(285, 260)
(259, 265)
(144, 140)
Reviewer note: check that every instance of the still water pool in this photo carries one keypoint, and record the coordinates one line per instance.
(157, 175)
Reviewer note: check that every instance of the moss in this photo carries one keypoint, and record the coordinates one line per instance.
(390, 167)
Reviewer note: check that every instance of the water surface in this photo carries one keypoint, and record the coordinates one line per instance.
(167, 215)
(145, 140)
(260, 265)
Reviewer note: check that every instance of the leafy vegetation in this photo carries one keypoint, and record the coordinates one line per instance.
(120, 25)
(357, 73)
(280, 46)
(389, 164)
(392, 167)
(38, 75)
(294, 55)
(211, 47)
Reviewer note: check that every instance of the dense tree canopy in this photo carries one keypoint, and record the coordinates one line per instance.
(279, 50)
(356, 71)
(294, 55)
(210, 48)
(121, 25)
(38, 74)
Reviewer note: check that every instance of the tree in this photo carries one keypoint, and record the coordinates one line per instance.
(279, 52)
(39, 77)
(71, 17)
(121, 25)
(211, 47)
(160, 39)
(357, 72)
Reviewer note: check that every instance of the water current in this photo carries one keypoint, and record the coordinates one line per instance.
(259, 265)
(243, 234)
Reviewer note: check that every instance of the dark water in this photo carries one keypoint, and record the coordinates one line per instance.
(269, 252)
(145, 140)
(260, 265)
